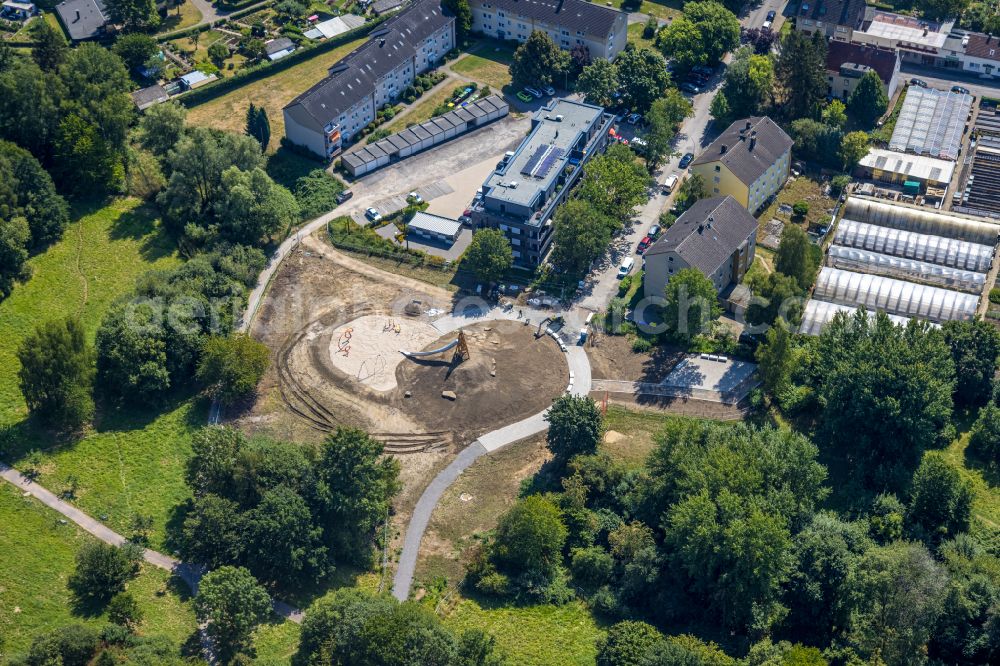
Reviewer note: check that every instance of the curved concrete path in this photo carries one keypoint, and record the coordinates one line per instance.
(579, 384)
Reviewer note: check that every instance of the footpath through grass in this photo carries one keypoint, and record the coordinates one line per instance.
(130, 462)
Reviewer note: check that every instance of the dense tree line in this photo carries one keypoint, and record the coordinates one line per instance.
(286, 512)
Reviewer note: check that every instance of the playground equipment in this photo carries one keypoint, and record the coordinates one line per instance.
(462, 352)
(344, 342)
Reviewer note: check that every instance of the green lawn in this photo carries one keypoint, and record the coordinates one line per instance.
(986, 504)
(183, 16)
(36, 558)
(130, 462)
(424, 107)
(635, 36)
(662, 9)
(487, 61)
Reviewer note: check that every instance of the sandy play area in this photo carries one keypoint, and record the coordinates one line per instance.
(368, 348)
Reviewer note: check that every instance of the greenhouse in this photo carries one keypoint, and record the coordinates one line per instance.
(818, 313)
(866, 261)
(931, 122)
(920, 221)
(911, 245)
(898, 297)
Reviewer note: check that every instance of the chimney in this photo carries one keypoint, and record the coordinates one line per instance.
(748, 125)
(710, 220)
(77, 16)
(724, 149)
(925, 31)
(381, 42)
(701, 228)
(753, 142)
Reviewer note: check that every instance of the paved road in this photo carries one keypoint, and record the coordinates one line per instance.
(579, 384)
(210, 13)
(942, 80)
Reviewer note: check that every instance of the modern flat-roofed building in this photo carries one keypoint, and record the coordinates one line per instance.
(520, 196)
(889, 166)
(927, 43)
(716, 235)
(846, 63)
(603, 30)
(434, 227)
(749, 161)
(336, 109)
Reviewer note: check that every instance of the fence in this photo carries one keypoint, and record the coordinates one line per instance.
(413, 258)
(730, 397)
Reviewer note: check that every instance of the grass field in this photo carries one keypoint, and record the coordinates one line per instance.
(803, 188)
(488, 61)
(635, 36)
(180, 17)
(662, 9)
(986, 503)
(36, 558)
(423, 108)
(273, 93)
(129, 463)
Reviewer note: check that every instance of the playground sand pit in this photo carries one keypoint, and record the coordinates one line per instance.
(368, 348)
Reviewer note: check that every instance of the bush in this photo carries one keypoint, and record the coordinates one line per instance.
(317, 193)
(995, 295)
(641, 345)
(102, 570)
(377, 135)
(800, 208)
(839, 184)
(624, 285)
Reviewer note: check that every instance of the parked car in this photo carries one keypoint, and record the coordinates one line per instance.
(413, 197)
(771, 14)
(344, 196)
(373, 215)
(703, 70)
(920, 83)
(626, 267)
(654, 231)
(534, 92)
(686, 160)
(689, 87)
(523, 96)
(644, 244)
(549, 90)
(960, 90)
(766, 25)
(633, 118)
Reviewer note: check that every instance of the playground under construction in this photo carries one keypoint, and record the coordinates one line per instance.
(356, 346)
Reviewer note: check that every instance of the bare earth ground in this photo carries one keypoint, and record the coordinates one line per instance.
(312, 387)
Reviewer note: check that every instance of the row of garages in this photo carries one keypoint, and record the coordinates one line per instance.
(907, 262)
(427, 134)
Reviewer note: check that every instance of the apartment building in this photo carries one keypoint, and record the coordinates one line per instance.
(846, 63)
(521, 195)
(836, 19)
(332, 113)
(749, 162)
(602, 30)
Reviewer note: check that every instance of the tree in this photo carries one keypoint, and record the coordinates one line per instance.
(984, 442)
(97, 88)
(50, 47)
(692, 189)
(886, 392)
(131, 354)
(642, 77)
(258, 126)
(463, 19)
(800, 208)
(125, 611)
(692, 304)
(749, 83)
(538, 61)
(489, 255)
(232, 367)
(135, 49)
(85, 161)
(581, 235)
(530, 537)
(615, 184)
(217, 53)
(57, 373)
(250, 208)
(102, 570)
(974, 346)
(853, 147)
(29, 106)
(900, 591)
(29, 193)
(775, 295)
(14, 238)
(835, 114)
(284, 541)
(776, 358)
(627, 644)
(575, 427)
(942, 9)
(70, 645)
(816, 141)
(231, 603)
(161, 127)
(359, 485)
(662, 119)
(868, 101)
(134, 14)
(701, 35)
(598, 82)
(761, 39)
(214, 532)
(940, 501)
(796, 256)
(801, 72)
(720, 108)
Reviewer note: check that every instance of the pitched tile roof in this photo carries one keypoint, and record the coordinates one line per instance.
(841, 12)
(83, 19)
(747, 158)
(707, 234)
(589, 18)
(354, 77)
(883, 61)
(983, 46)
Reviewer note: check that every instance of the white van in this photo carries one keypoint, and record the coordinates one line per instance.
(626, 267)
(670, 183)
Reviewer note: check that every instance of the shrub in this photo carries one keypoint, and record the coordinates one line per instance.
(641, 345)
(995, 295)
(800, 208)
(624, 285)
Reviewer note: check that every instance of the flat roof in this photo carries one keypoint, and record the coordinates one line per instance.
(915, 166)
(899, 28)
(435, 224)
(540, 158)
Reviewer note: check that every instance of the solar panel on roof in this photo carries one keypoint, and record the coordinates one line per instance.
(548, 162)
(533, 161)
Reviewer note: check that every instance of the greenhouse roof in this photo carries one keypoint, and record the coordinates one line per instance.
(931, 122)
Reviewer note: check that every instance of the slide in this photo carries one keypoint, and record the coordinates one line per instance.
(450, 345)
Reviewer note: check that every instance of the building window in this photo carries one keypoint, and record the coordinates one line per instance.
(715, 190)
(718, 168)
(716, 179)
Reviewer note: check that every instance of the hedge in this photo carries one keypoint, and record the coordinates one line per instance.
(265, 69)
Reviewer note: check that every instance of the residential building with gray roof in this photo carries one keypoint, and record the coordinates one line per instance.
(335, 110)
(717, 236)
(83, 19)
